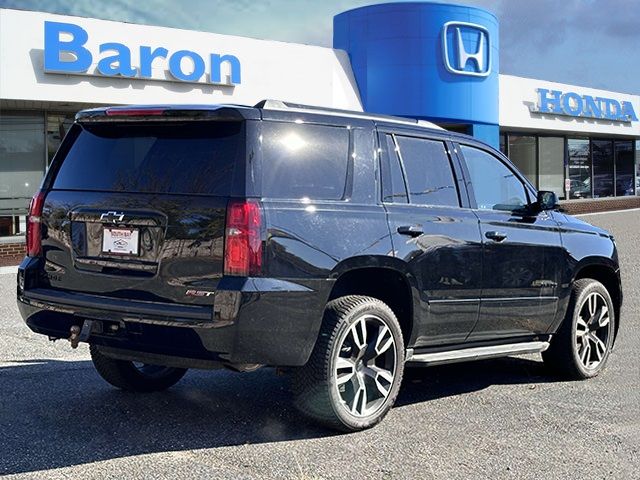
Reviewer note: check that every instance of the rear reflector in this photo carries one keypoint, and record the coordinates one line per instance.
(243, 239)
(134, 112)
(34, 228)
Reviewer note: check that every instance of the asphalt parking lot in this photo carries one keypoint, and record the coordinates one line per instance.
(494, 419)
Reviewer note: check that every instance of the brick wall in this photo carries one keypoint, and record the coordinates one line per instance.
(11, 253)
(575, 207)
(11, 249)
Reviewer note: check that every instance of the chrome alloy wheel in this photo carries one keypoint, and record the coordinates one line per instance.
(593, 329)
(365, 366)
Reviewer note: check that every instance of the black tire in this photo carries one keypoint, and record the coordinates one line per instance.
(566, 352)
(319, 389)
(126, 375)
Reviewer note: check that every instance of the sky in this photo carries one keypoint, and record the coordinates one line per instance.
(594, 43)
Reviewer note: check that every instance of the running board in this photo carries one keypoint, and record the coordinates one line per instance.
(476, 353)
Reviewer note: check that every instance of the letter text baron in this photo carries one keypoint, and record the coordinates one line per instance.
(65, 52)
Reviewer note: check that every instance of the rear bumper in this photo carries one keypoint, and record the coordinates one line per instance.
(252, 320)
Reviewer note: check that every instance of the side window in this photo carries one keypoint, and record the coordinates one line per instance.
(428, 171)
(304, 161)
(495, 185)
(393, 187)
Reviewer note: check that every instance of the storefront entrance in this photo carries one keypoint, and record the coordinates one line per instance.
(576, 168)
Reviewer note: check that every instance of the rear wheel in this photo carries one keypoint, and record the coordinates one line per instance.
(583, 343)
(354, 373)
(134, 376)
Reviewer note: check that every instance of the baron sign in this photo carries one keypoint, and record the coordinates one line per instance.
(71, 56)
(572, 104)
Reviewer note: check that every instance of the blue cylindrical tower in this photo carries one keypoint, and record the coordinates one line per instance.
(426, 60)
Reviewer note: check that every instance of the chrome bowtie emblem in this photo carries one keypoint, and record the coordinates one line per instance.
(466, 49)
(113, 217)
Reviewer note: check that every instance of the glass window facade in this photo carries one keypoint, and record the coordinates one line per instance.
(522, 152)
(637, 167)
(603, 168)
(625, 159)
(551, 166)
(22, 161)
(28, 142)
(58, 124)
(579, 167)
(576, 168)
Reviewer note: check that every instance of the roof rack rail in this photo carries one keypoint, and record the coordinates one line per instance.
(270, 104)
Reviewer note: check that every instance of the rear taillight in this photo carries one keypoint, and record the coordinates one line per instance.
(34, 228)
(243, 239)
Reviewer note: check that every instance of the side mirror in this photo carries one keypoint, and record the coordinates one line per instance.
(547, 201)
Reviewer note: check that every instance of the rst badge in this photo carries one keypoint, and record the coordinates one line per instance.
(466, 49)
(199, 293)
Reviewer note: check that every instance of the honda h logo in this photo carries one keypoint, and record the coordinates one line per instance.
(466, 49)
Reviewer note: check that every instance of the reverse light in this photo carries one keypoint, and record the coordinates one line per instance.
(34, 225)
(243, 239)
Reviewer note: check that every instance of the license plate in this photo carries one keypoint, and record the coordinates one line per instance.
(120, 241)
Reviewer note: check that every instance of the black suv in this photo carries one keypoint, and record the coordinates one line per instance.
(338, 246)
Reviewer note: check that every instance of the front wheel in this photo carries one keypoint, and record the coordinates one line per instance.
(581, 347)
(133, 376)
(354, 373)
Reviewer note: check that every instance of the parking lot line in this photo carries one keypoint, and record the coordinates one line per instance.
(607, 212)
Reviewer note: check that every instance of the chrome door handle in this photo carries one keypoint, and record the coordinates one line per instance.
(496, 236)
(411, 230)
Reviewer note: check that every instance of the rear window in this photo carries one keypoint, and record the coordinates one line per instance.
(191, 157)
(304, 161)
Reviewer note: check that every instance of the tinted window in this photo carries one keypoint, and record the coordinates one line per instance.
(304, 161)
(393, 187)
(495, 186)
(194, 157)
(624, 168)
(602, 157)
(428, 172)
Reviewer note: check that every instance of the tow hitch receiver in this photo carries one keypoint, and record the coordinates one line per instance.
(80, 335)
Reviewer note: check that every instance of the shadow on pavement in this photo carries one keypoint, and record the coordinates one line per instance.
(424, 384)
(56, 414)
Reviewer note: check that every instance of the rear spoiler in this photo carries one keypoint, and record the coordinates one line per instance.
(228, 113)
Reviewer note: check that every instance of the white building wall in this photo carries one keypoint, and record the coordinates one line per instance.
(518, 94)
(269, 69)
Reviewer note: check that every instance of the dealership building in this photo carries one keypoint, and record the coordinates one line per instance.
(437, 62)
